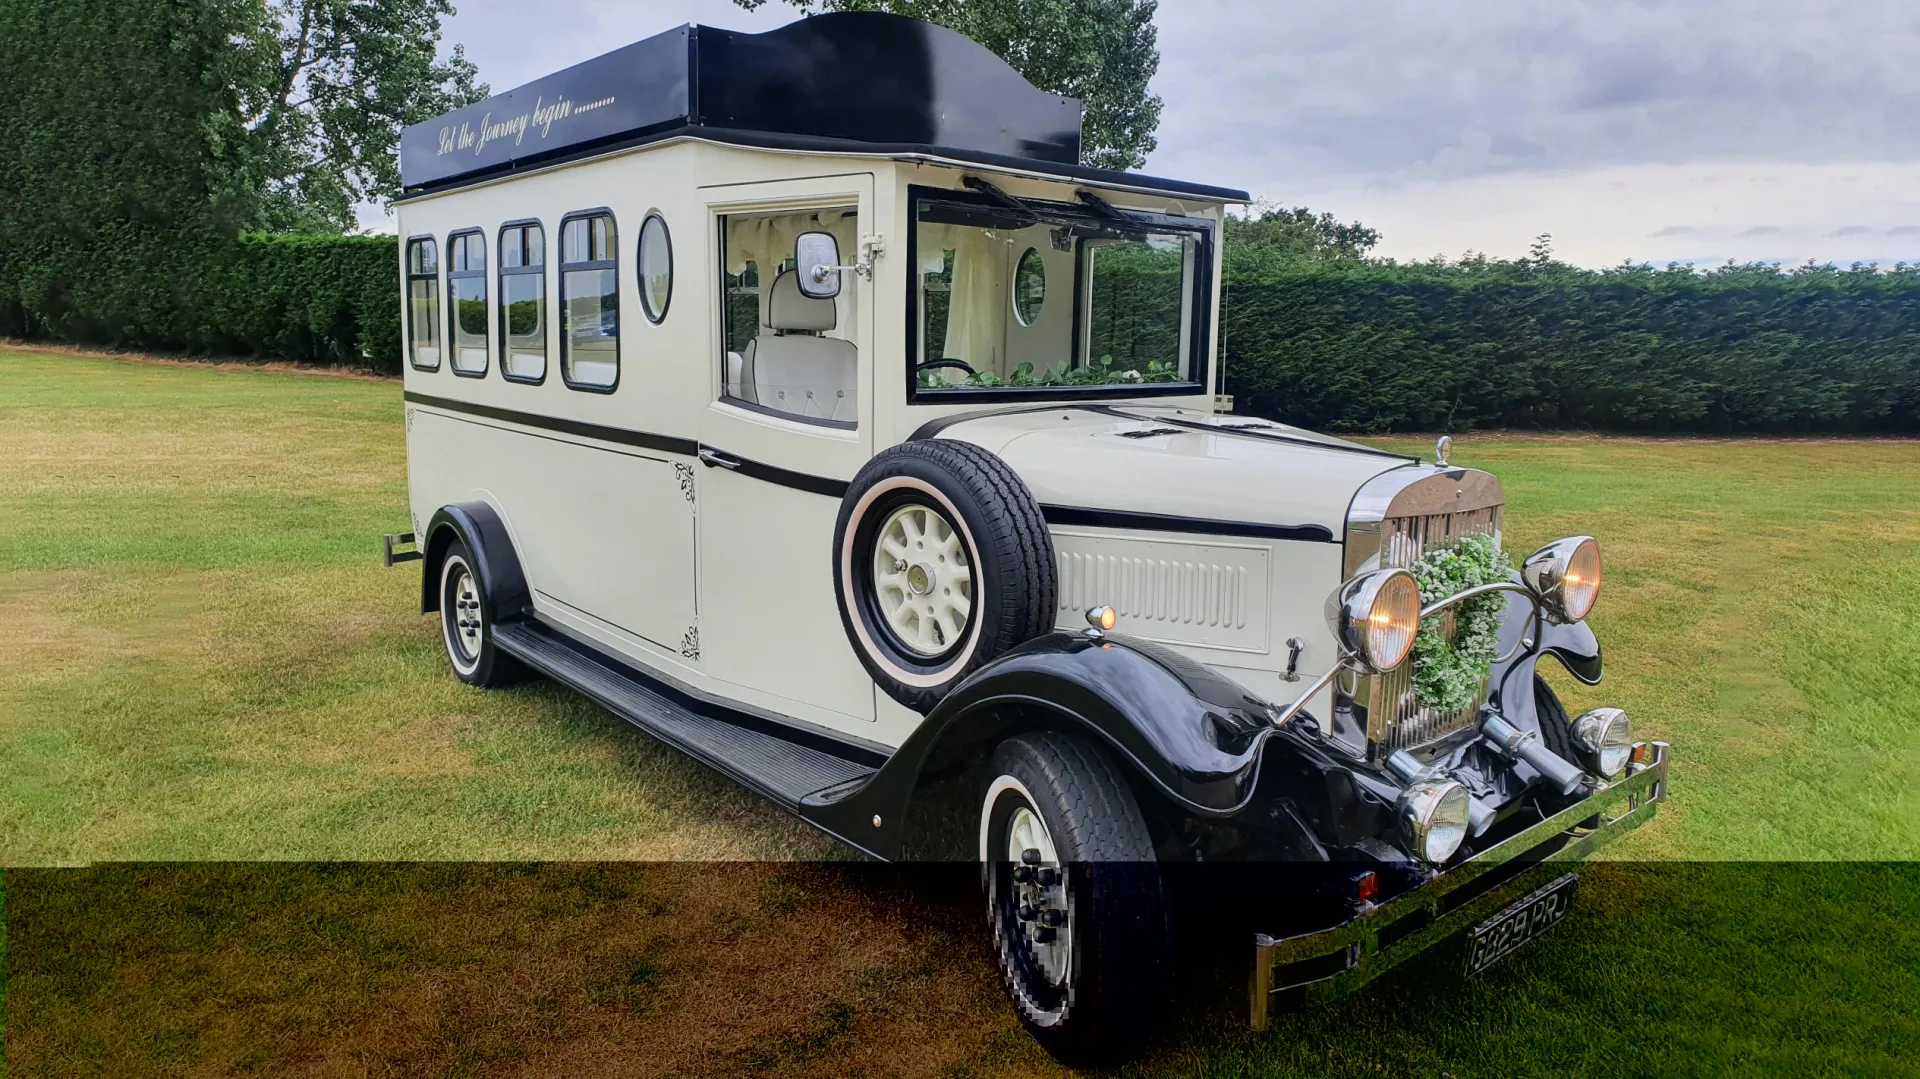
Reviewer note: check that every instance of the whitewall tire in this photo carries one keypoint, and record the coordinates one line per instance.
(466, 624)
(942, 562)
(1075, 897)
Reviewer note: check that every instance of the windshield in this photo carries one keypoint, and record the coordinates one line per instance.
(1039, 295)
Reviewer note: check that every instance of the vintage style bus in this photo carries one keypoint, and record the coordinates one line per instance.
(800, 398)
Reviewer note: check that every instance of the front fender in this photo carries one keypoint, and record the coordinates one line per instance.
(1189, 732)
(1510, 686)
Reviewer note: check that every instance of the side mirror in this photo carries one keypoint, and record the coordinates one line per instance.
(816, 258)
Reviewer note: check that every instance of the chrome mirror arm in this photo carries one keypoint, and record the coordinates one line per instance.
(1286, 714)
(1526, 641)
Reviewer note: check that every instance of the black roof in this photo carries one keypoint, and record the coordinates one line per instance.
(853, 82)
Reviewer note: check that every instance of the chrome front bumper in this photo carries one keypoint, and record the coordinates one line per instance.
(1319, 967)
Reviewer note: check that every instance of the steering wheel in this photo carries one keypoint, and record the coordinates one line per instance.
(935, 365)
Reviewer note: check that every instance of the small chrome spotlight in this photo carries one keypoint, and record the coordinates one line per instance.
(1605, 739)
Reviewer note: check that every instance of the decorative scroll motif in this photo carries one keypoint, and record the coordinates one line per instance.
(690, 644)
(686, 478)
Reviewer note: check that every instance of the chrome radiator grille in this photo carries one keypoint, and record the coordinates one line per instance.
(1394, 720)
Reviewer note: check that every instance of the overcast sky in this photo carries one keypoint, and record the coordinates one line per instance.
(1691, 130)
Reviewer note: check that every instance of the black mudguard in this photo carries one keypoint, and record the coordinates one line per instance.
(1195, 736)
(1190, 733)
(501, 580)
(1510, 688)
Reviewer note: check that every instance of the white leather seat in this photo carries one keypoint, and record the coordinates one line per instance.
(789, 366)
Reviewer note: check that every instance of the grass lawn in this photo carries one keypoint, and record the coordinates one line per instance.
(203, 659)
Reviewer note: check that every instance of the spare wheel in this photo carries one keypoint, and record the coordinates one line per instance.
(942, 562)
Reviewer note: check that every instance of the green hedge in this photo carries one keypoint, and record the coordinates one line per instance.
(315, 299)
(1352, 346)
(310, 299)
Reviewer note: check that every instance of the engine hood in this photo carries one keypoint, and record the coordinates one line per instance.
(1132, 465)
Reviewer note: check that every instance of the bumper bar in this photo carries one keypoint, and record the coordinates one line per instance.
(1318, 967)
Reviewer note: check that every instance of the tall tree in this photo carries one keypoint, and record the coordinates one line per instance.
(1100, 51)
(125, 162)
(333, 83)
(1271, 236)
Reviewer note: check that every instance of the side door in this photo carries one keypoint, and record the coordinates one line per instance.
(789, 422)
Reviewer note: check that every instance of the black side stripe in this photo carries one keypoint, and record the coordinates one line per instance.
(801, 481)
(1157, 522)
(621, 435)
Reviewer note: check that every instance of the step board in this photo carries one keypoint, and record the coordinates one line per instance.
(783, 770)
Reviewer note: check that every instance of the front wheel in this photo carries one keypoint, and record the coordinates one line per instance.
(1075, 897)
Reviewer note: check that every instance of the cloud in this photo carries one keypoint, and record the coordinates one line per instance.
(1772, 127)
(1400, 90)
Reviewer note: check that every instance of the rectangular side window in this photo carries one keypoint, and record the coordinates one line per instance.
(523, 303)
(467, 302)
(785, 351)
(589, 303)
(423, 304)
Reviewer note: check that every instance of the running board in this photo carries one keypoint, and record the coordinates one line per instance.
(784, 770)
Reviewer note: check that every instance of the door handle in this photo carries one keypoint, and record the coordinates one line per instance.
(713, 458)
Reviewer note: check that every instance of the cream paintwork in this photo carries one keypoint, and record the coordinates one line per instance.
(729, 593)
(1071, 457)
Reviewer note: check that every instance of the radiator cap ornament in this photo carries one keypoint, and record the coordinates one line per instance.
(1441, 447)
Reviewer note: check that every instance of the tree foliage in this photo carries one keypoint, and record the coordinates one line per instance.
(125, 162)
(1100, 51)
(329, 85)
(1269, 238)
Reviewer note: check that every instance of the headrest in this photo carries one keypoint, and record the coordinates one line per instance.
(790, 309)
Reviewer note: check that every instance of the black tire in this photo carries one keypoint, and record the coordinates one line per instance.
(1007, 549)
(1556, 728)
(466, 628)
(1093, 990)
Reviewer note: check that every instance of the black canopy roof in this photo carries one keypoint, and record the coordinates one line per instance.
(858, 82)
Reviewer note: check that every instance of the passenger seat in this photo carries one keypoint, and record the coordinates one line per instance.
(790, 367)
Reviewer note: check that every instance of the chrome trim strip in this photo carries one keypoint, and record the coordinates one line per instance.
(1359, 938)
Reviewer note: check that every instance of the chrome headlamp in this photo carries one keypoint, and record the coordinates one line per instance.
(1374, 615)
(1434, 818)
(1604, 737)
(1565, 576)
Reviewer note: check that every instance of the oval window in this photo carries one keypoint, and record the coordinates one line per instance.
(1029, 287)
(656, 267)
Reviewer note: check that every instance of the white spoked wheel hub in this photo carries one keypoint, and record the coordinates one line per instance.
(1040, 889)
(463, 624)
(922, 580)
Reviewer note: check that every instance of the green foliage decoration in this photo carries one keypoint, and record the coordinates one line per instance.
(1101, 372)
(1448, 674)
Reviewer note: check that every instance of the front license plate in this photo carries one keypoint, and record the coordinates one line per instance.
(1504, 933)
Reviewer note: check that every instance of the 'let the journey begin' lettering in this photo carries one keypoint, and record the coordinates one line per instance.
(540, 119)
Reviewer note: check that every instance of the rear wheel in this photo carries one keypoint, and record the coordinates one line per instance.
(1075, 897)
(467, 628)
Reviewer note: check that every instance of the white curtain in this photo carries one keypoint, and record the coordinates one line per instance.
(977, 307)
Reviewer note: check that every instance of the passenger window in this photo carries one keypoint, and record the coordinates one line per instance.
(589, 303)
(423, 304)
(787, 352)
(467, 301)
(656, 267)
(523, 303)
